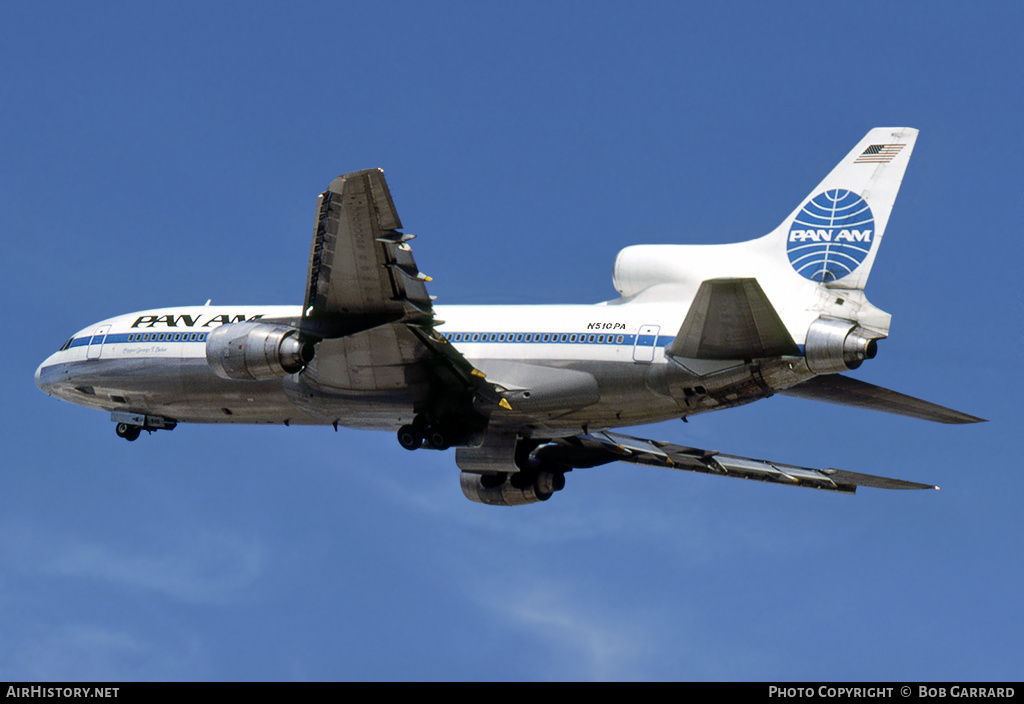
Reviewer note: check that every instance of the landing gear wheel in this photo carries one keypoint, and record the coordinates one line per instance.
(438, 438)
(128, 432)
(410, 438)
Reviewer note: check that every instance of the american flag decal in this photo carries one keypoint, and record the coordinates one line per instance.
(879, 154)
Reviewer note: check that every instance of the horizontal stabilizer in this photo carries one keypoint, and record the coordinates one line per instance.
(732, 319)
(846, 391)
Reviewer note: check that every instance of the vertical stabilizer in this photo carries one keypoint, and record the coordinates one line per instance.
(814, 265)
(832, 238)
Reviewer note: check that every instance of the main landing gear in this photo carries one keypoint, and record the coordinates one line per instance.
(426, 434)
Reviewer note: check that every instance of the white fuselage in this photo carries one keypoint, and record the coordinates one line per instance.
(154, 362)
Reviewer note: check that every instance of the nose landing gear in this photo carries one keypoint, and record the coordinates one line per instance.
(130, 425)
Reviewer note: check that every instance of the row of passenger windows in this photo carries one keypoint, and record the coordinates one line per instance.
(454, 337)
(135, 337)
(167, 337)
(535, 337)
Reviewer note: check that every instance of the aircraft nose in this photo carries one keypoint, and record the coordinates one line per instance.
(46, 377)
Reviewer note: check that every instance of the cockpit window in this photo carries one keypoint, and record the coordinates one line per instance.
(66, 345)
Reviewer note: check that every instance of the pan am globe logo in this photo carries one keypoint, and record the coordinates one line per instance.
(831, 236)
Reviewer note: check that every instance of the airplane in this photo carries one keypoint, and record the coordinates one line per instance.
(525, 394)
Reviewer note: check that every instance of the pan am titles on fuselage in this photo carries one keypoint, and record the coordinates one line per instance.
(525, 394)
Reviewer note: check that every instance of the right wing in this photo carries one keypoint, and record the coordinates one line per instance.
(602, 447)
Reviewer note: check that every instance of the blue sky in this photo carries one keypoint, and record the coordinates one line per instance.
(167, 153)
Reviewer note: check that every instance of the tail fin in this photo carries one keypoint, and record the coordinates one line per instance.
(832, 238)
(815, 264)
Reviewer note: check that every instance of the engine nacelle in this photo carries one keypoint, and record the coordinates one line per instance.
(255, 350)
(511, 489)
(640, 266)
(836, 345)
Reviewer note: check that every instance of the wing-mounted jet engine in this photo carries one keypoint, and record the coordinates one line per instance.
(256, 351)
(508, 470)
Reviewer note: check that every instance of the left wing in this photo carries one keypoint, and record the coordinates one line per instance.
(361, 270)
(601, 447)
(367, 303)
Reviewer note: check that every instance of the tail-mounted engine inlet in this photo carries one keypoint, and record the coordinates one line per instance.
(836, 345)
(256, 351)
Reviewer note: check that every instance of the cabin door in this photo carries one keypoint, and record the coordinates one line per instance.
(646, 342)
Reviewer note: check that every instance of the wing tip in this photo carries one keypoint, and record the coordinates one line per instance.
(964, 419)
